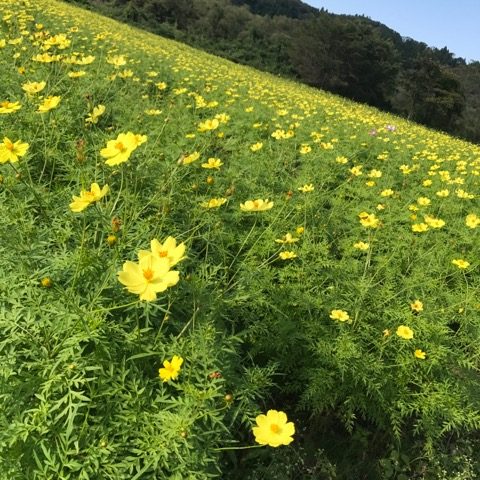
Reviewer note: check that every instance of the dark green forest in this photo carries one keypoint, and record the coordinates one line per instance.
(352, 56)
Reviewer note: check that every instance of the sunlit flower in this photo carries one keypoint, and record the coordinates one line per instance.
(33, 87)
(48, 104)
(273, 429)
(308, 187)
(361, 246)
(472, 220)
(369, 220)
(404, 332)
(423, 201)
(340, 315)
(119, 150)
(387, 192)
(419, 354)
(212, 163)
(287, 255)
(87, 197)
(168, 249)
(93, 117)
(462, 264)
(80, 73)
(300, 230)
(258, 205)
(305, 149)
(151, 275)
(208, 125)
(419, 227)
(9, 107)
(117, 60)
(287, 238)
(12, 151)
(214, 203)
(191, 158)
(153, 112)
(256, 146)
(416, 306)
(171, 369)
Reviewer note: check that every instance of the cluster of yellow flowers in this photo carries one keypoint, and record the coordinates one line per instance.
(152, 274)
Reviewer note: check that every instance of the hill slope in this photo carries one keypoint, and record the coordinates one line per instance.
(188, 245)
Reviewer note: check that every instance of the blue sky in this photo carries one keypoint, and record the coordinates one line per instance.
(454, 24)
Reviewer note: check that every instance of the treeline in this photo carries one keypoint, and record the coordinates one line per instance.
(350, 55)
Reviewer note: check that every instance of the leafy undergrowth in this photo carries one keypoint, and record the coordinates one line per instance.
(297, 251)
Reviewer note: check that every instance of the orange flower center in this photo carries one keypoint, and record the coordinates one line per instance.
(163, 253)
(148, 274)
(10, 146)
(275, 428)
(256, 203)
(120, 146)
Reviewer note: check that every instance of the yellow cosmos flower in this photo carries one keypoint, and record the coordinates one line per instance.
(208, 125)
(214, 203)
(287, 238)
(168, 249)
(119, 150)
(472, 220)
(375, 173)
(419, 354)
(341, 160)
(97, 112)
(419, 227)
(273, 429)
(117, 60)
(443, 193)
(288, 255)
(340, 315)
(9, 107)
(356, 171)
(153, 112)
(258, 205)
(80, 73)
(387, 192)
(423, 201)
(304, 149)
(33, 87)
(417, 306)
(369, 220)
(256, 146)
(433, 222)
(361, 246)
(462, 264)
(151, 275)
(404, 332)
(11, 151)
(87, 197)
(161, 85)
(193, 157)
(308, 187)
(170, 369)
(48, 104)
(213, 163)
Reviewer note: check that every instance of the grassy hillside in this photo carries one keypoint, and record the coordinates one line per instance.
(188, 244)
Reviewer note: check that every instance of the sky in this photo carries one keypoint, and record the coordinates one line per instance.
(454, 24)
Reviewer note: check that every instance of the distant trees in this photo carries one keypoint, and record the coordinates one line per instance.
(349, 55)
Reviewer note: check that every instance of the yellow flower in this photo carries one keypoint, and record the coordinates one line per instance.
(161, 85)
(387, 332)
(78, 74)
(119, 150)
(49, 103)
(308, 187)
(33, 87)
(387, 192)
(375, 173)
(356, 171)
(191, 158)
(273, 429)
(404, 332)
(88, 197)
(153, 112)
(300, 230)
(420, 354)
(423, 201)
(361, 246)
(117, 60)
(168, 249)
(171, 369)
(305, 149)
(340, 315)
(417, 306)
(288, 255)
(369, 220)
(287, 238)
(341, 160)
(212, 163)
(9, 107)
(96, 113)
(443, 193)
(151, 275)
(256, 146)
(258, 205)
(10, 151)
(434, 222)
(461, 263)
(419, 227)
(472, 220)
(208, 125)
(214, 203)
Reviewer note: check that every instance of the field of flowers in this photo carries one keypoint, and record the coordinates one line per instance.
(202, 264)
